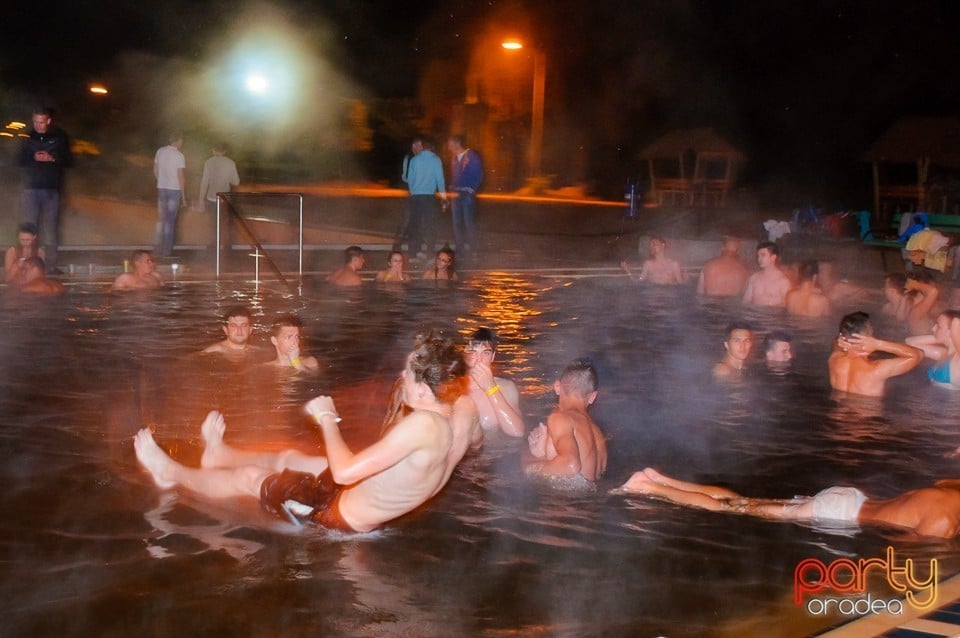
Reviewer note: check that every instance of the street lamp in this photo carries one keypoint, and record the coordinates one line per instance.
(535, 151)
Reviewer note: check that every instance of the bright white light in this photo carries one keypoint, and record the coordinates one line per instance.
(257, 84)
(512, 45)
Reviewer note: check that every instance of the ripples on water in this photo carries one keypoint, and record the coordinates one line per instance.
(92, 548)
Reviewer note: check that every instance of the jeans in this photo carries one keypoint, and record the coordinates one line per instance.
(168, 205)
(464, 230)
(424, 223)
(41, 206)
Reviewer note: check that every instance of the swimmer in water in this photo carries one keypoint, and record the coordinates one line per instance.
(737, 342)
(941, 346)
(570, 450)
(497, 398)
(346, 491)
(659, 269)
(726, 275)
(394, 272)
(778, 350)
(25, 248)
(236, 328)
(32, 279)
(444, 266)
(806, 299)
(285, 337)
(768, 286)
(852, 366)
(929, 511)
(144, 275)
(349, 274)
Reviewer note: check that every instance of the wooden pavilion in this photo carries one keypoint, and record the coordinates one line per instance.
(916, 166)
(692, 167)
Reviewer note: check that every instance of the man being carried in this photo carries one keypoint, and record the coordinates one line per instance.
(854, 369)
(769, 286)
(726, 275)
(659, 269)
(570, 449)
(346, 491)
(496, 398)
(236, 327)
(348, 275)
(144, 275)
(929, 511)
(285, 337)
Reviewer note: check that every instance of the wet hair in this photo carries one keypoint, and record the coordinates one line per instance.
(775, 337)
(896, 280)
(392, 253)
(137, 255)
(854, 323)
(236, 311)
(808, 270)
(658, 238)
(285, 321)
(579, 377)
(350, 252)
(484, 335)
(34, 262)
(922, 276)
(446, 250)
(437, 362)
(736, 325)
(769, 245)
(28, 227)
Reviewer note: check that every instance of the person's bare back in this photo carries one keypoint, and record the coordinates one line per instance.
(807, 301)
(726, 275)
(852, 367)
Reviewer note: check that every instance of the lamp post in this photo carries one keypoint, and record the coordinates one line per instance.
(535, 152)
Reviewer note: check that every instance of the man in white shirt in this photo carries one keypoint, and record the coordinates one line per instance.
(168, 167)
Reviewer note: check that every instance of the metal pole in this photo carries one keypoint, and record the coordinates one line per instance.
(536, 125)
(217, 258)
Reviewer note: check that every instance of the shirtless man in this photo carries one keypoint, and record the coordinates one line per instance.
(144, 275)
(659, 269)
(496, 398)
(345, 491)
(237, 328)
(32, 279)
(769, 286)
(285, 337)
(737, 342)
(726, 275)
(854, 370)
(349, 274)
(778, 349)
(570, 449)
(25, 248)
(922, 295)
(929, 511)
(897, 305)
(806, 299)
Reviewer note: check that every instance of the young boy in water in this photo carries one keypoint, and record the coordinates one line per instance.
(929, 511)
(496, 398)
(236, 328)
(570, 448)
(285, 337)
(738, 343)
(659, 269)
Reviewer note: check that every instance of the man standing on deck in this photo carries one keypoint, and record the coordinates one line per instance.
(424, 180)
(465, 178)
(169, 166)
(219, 176)
(43, 155)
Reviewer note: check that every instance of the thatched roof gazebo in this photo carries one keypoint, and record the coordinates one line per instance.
(693, 167)
(913, 163)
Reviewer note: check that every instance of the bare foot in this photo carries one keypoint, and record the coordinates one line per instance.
(212, 430)
(639, 483)
(656, 476)
(152, 457)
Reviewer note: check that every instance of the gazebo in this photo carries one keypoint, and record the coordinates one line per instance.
(916, 166)
(692, 167)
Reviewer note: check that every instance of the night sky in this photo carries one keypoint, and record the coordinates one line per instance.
(802, 87)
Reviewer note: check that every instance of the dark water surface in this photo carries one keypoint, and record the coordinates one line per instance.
(90, 547)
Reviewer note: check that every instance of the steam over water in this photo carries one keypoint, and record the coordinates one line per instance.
(92, 547)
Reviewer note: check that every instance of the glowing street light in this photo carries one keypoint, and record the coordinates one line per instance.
(98, 89)
(257, 84)
(536, 125)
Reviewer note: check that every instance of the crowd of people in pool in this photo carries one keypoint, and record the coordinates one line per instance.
(447, 397)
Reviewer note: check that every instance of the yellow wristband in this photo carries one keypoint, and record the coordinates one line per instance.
(295, 362)
(492, 391)
(320, 415)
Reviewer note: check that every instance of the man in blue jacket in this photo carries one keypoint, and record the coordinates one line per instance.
(466, 176)
(424, 181)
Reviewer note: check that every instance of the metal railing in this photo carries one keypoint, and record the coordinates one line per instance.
(231, 203)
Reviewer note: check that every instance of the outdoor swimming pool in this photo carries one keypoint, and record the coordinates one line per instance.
(92, 547)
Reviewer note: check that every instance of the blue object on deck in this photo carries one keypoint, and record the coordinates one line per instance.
(863, 219)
